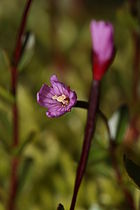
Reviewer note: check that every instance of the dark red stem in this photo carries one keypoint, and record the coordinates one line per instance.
(13, 184)
(14, 79)
(133, 5)
(89, 131)
(21, 30)
(136, 65)
(127, 194)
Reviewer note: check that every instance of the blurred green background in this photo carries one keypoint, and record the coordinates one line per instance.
(60, 44)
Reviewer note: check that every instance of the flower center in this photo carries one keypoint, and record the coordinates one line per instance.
(62, 99)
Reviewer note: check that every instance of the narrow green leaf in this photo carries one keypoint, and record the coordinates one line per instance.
(5, 128)
(128, 20)
(24, 173)
(5, 145)
(5, 75)
(122, 123)
(5, 94)
(118, 123)
(133, 170)
(27, 50)
(29, 139)
(4, 60)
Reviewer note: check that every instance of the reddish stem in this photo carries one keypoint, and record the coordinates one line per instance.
(14, 79)
(136, 65)
(14, 184)
(127, 193)
(16, 56)
(90, 128)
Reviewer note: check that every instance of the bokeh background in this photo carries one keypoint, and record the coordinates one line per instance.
(60, 43)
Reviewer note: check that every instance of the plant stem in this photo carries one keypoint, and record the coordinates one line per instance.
(14, 79)
(82, 104)
(85, 105)
(136, 65)
(17, 52)
(89, 131)
(127, 194)
(136, 40)
(13, 184)
(133, 131)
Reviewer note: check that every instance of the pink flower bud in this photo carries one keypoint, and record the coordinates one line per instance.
(102, 34)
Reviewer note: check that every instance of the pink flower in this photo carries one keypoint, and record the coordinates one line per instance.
(102, 34)
(58, 98)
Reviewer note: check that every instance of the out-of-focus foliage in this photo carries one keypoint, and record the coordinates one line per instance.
(50, 148)
(118, 123)
(133, 170)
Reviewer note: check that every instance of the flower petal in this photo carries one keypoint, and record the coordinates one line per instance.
(53, 78)
(43, 94)
(102, 34)
(102, 39)
(58, 98)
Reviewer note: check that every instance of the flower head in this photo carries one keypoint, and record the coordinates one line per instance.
(58, 98)
(102, 34)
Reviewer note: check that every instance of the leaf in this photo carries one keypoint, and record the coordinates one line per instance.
(60, 207)
(24, 173)
(118, 123)
(4, 69)
(4, 60)
(6, 95)
(128, 20)
(5, 128)
(5, 145)
(28, 140)
(133, 170)
(27, 50)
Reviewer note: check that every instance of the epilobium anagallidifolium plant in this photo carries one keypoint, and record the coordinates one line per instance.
(102, 34)
(59, 99)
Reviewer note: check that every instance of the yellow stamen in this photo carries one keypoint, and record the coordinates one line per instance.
(62, 99)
